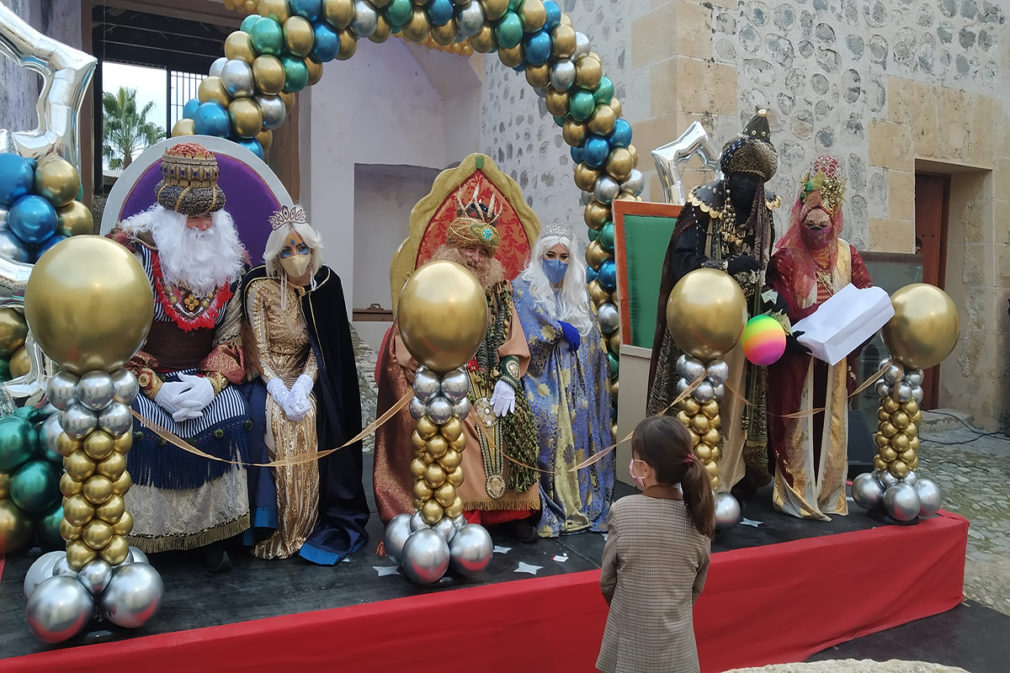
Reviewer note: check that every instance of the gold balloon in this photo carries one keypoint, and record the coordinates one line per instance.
(603, 120)
(65, 445)
(113, 466)
(595, 254)
(925, 326)
(348, 45)
(495, 9)
(246, 117)
(914, 465)
(76, 282)
(634, 156)
(890, 405)
(533, 15)
(907, 456)
(588, 72)
(97, 534)
(421, 489)
(183, 127)
(911, 430)
(538, 76)
(5, 485)
(124, 441)
(556, 102)
(913, 443)
(511, 56)
(562, 41)
(431, 512)
(417, 468)
(75, 218)
(13, 330)
(597, 293)
(79, 466)
(124, 525)
(619, 164)
(315, 69)
(69, 532)
(238, 45)
(456, 476)
(79, 554)
(418, 442)
(298, 37)
(888, 430)
(586, 177)
(442, 314)
(434, 475)
(116, 551)
(212, 89)
(910, 407)
(459, 443)
(289, 98)
(382, 29)
(883, 415)
(77, 511)
(699, 424)
(455, 509)
(712, 437)
(880, 440)
(616, 106)
(426, 428)
(339, 13)
(899, 469)
(112, 510)
(566, 20)
(451, 460)
(274, 9)
(888, 454)
(574, 132)
(445, 494)
(900, 442)
(445, 34)
(57, 180)
(614, 343)
(595, 214)
(690, 406)
(900, 420)
(879, 464)
(483, 42)
(705, 313)
(684, 418)
(418, 27)
(98, 489)
(122, 485)
(268, 73)
(15, 527)
(19, 364)
(437, 446)
(452, 429)
(710, 409)
(266, 140)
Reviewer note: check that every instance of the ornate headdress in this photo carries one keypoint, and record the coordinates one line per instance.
(558, 229)
(752, 151)
(287, 216)
(823, 186)
(189, 180)
(475, 224)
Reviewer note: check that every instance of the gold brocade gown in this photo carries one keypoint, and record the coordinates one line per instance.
(282, 345)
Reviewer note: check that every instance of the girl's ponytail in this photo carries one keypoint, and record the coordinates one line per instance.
(698, 496)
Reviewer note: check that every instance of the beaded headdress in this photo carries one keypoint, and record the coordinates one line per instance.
(558, 229)
(287, 216)
(189, 180)
(752, 151)
(476, 224)
(823, 186)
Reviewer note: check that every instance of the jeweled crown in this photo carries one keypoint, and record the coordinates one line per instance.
(287, 216)
(476, 210)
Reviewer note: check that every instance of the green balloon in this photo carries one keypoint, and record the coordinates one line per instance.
(5, 370)
(296, 74)
(593, 234)
(48, 529)
(613, 364)
(515, 5)
(607, 236)
(267, 37)
(560, 121)
(398, 12)
(581, 105)
(604, 91)
(35, 487)
(17, 442)
(30, 413)
(249, 22)
(509, 31)
(15, 527)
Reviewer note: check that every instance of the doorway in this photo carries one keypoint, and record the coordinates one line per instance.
(932, 205)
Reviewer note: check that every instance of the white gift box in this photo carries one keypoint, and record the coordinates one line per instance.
(844, 321)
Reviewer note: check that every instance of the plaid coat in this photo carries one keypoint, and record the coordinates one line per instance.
(654, 567)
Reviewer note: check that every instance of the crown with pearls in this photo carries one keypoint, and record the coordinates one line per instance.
(287, 216)
(558, 229)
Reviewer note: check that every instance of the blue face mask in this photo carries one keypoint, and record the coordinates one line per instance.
(554, 269)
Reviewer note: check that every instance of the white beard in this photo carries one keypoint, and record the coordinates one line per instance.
(200, 261)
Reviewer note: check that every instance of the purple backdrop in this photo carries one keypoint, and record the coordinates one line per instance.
(249, 200)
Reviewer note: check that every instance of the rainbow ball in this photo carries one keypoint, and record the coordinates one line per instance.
(763, 340)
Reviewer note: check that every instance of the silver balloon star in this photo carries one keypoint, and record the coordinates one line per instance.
(501, 550)
(750, 522)
(669, 157)
(527, 568)
(387, 570)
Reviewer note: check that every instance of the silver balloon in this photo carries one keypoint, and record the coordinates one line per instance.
(727, 511)
(901, 502)
(61, 389)
(470, 19)
(883, 362)
(397, 532)
(911, 478)
(455, 384)
(904, 392)
(273, 110)
(690, 368)
(682, 385)
(217, 66)
(867, 491)
(581, 46)
(462, 408)
(416, 408)
(116, 419)
(459, 522)
(705, 392)
(49, 433)
(609, 317)
(77, 421)
(917, 394)
(237, 77)
(439, 409)
(445, 528)
(913, 377)
(669, 157)
(124, 386)
(470, 551)
(717, 371)
(58, 609)
(13, 250)
(563, 75)
(426, 384)
(41, 570)
(929, 497)
(894, 373)
(61, 568)
(94, 390)
(718, 391)
(635, 182)
(133, 596)
(606, 189)
(882, 388)
(137, 556)
(365, 19)
(417, 522)
(95, 576)
(425, 556)
(885, 479)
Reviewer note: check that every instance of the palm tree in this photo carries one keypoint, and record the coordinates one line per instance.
(124, 130)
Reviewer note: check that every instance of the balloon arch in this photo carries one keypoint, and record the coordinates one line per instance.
(282, 45)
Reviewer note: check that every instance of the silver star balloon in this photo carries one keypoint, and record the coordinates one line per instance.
(669, 157)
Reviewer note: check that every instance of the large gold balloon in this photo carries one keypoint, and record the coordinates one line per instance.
(268, 73)
(924, 328)
(113, 466)
(533, 15)
(431, 512)
(124, 525)
(246, 117)
(212, 89)
(274, 9)
(75, 218)
(298, 37)
(67, 445)
(79, 466)
(616, 106)
(13, 330)
(98, 445)
(96, 534)
(77, 510)
(88, 304)
(57, 180)
(339, 13)
(238, 45)
(98, 489)
(183, 127)
(597, 293)
(122, 485)
(706, 313)
(596, 255)
(20, 364)
(442, 314)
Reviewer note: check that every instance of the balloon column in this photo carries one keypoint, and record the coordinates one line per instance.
(89, 305)
(706, 313)
(923, 331)
(442, 315)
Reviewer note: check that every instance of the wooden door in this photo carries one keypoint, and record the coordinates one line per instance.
(932, 194)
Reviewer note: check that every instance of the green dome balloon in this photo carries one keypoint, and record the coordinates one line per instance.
(249, 22)
(581, 106)
(607, 236)
(17, 442)
(398, 12)
(48, 529)
(35, 487)
(296, 74)
(604, 91)
(267, 37)
(509, 31)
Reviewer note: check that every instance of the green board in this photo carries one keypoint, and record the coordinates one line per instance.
(646, 238)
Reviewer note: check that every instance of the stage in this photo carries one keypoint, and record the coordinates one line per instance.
(779, 589)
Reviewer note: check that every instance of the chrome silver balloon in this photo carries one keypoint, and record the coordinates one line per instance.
(273, 110)
(930, 497)
(217, 66)
(882, 388)
(137, 556)
(455, 384)
(883, 362)
(445, 528)
(95, 576)
(581, 46)
(439, 409)
(58, 609)
(704, 392)
(426, 384)
(124, 386)
(16, 256)
(95, 390)
(867, 491)
(417, 522)
(727, 511)
(563, 75)
(397, 532)
(77, 421)
(718, 392)
(885, 479)
(917, 394)
(237, 77)
(462, 408)
(911, 478)
(691, 368)
(61, 389)
(61, 568)
(609, 318)
(116, 419)
(459, 522)
(606, 189)
(470, 551)
(49, 434)
(904, 392)
(901, 502)
(416, 408)
(717, 372)
(41, 569)
(133, 595)
(365, 19)
(635, 182)
(682, 385)
(470, 19)
(894, 373)
(425, 556)
(913, 377)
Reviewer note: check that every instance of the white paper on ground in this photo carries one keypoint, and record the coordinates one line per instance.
(844, 321)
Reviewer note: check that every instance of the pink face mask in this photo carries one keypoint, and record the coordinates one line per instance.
(639, 481)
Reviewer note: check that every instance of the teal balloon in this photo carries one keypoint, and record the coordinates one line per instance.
(5, 370)
(296, 75)
(439, 12)
(560, 121)
(604, 91)
(267, 37)
(35, 487)
(326, 42)
(595, 150)
(252, 145)
(607, 237)
(308, 9)
(398, 12)
(189, 109)
(211, 119)
(249, 22)
(32, 219)
(48, 530)
(581, 105)
(41, 248)
(608, 275)
(17, 442)
(593, 235)
(538, 47)
(621, 135)
(30, 413)
(17, 178)
(612, 365)
(509, 31)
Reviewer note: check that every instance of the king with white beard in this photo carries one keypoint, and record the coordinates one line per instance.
(190, 250)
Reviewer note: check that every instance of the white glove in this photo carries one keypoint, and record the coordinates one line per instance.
(298, 405)
(171, 398)
(503, 399)
(200, 392)
(278, 391)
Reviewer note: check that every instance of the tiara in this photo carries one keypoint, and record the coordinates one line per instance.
(557, 229)
(476, 210)
(289, 216)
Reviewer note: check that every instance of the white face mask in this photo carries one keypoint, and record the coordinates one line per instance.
(296, 265)
(639, 481)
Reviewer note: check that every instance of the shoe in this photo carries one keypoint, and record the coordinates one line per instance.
(522, 530)
(216, 559)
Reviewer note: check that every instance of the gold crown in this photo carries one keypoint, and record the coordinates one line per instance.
(476, 210)
(824, 179)
(287, 216)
